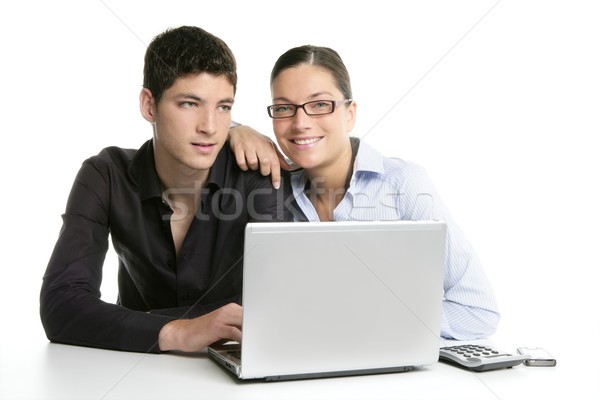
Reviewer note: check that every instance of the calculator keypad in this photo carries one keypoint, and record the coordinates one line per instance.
(479, 357)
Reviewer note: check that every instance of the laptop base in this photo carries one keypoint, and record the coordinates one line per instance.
(338, 374)
(220, 354)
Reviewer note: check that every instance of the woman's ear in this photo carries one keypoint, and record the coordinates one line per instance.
(147, 105)
(351, 116)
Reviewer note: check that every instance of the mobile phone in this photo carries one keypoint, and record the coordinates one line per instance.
(538, 357)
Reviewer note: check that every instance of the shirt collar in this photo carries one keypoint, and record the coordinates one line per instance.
(143, 170)
(367, 160)
(218, 172)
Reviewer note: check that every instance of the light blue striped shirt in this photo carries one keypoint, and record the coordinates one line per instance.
(383, 188)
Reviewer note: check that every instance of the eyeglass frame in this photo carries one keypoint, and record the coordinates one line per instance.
(334, 104)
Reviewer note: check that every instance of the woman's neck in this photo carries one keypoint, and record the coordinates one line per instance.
(327, 185)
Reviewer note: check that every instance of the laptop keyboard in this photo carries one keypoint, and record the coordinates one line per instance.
(235, 355)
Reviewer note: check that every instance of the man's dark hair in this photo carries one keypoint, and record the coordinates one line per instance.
(182, 51)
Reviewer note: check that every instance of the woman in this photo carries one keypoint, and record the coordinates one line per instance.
(341, 178)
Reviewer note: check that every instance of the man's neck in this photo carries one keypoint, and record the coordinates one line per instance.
(180, 184)
(181, 189)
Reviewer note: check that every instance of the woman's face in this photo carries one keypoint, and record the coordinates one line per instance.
(312, 141)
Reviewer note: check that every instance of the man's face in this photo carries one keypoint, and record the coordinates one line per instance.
(192, 123)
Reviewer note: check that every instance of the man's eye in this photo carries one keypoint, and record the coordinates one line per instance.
(224, 108)
(187, 104)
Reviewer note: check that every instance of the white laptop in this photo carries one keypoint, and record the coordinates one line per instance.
(327, 299)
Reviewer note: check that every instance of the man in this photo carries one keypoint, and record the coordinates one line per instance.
(175, 210)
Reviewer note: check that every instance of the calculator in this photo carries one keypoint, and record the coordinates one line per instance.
(480, 357)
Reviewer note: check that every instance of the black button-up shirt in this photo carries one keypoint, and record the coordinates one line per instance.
(118, 193)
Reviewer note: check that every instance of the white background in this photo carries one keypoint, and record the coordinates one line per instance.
(498, 100)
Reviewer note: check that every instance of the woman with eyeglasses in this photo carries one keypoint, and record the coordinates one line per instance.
(337, 177)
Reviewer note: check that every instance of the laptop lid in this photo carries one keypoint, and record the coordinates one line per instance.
(340, 298)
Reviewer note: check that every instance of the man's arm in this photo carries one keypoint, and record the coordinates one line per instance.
(257, 152)
(70, 306)
(71, 309)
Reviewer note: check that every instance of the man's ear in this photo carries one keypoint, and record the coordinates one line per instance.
(147, 105)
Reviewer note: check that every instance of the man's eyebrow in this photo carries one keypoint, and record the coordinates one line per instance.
(227, 100)
(199, 99)
(190, 96)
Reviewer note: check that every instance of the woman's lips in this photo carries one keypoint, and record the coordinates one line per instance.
(306, 141)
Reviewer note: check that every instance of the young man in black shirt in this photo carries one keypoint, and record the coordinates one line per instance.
(175, 210)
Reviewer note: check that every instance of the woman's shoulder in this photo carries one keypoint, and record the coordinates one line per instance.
(391, 167)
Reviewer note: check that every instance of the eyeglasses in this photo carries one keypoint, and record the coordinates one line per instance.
(318, 107)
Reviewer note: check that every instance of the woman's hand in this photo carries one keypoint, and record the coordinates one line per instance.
(256, 151)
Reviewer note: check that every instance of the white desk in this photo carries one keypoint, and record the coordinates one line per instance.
(54, 371)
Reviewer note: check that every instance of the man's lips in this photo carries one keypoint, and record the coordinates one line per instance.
(203, 144)
(203, 147)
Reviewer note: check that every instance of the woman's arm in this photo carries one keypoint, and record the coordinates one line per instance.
(469, 309)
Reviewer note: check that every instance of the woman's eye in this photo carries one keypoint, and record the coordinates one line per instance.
(282, 108)
(320, 104)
